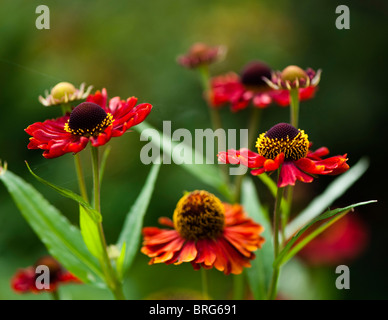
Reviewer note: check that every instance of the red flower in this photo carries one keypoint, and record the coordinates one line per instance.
(342, 242)
(286, 147)
(94, 120)
(207, 233)
(251, 86)
(24, 281)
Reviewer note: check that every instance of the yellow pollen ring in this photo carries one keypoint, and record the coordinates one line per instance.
(108, 120)
(293, 149)
(199, 215)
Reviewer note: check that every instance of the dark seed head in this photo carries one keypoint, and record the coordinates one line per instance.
(282, 131)
(253, 72)
(53, 265)
(86, 116)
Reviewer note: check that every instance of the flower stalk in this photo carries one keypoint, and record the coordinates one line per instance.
(276, 221)
(112, 281)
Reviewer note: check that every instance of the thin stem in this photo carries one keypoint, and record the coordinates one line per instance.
(80, 177)
(277, 215)
(205, 294)
(294, 107)
(276, 221)
(55, 295)
(113, 283)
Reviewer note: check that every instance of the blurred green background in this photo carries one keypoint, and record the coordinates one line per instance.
(130, 48)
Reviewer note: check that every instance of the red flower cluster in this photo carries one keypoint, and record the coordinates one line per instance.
(252, 86)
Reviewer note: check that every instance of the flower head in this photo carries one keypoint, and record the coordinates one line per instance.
(341, 243)
(205, 232)
(95, 120)
(64, 92)
(201, 54)
(293, 77)
(287, 148)
(24, 281)
(240, 90)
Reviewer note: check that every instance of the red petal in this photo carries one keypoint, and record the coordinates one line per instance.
(289, 173)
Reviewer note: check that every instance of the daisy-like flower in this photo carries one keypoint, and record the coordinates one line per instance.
(201, 54)
(205, 232)
(293, 77)
(95, 120)
(64, 92)
(240, 90)
(287, 148)
(341, 243)
(24, 281)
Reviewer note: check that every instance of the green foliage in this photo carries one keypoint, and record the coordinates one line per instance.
(63, 240)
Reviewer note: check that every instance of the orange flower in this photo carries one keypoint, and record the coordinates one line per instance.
(205, 232)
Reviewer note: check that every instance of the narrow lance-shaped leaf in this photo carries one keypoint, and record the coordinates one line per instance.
(281, 259)
(63, 240)
(90, 234)
(94, 214)
(259, 275)
(130, 234)
(335, 190)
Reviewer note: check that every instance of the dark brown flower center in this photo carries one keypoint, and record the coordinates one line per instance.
(282, 131)
(88, 119)
(253, 73)
(53, 266)
(199, 215)
(283, 138)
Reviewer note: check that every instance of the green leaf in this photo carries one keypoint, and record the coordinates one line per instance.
(285, 255)
(90, 234)
(334, 191)
(120, 262)
(207, 173)
(94, 214)
(130, 234)
(259, 275)
(63, 240)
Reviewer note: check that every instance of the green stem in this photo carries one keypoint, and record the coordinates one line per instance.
(286, 211)
(113, 283)
(294, 107)
(55, 295)
(276, 221)
(80, 176)
(205, 294)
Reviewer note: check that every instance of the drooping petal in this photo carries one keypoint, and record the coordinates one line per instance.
(289, 173)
